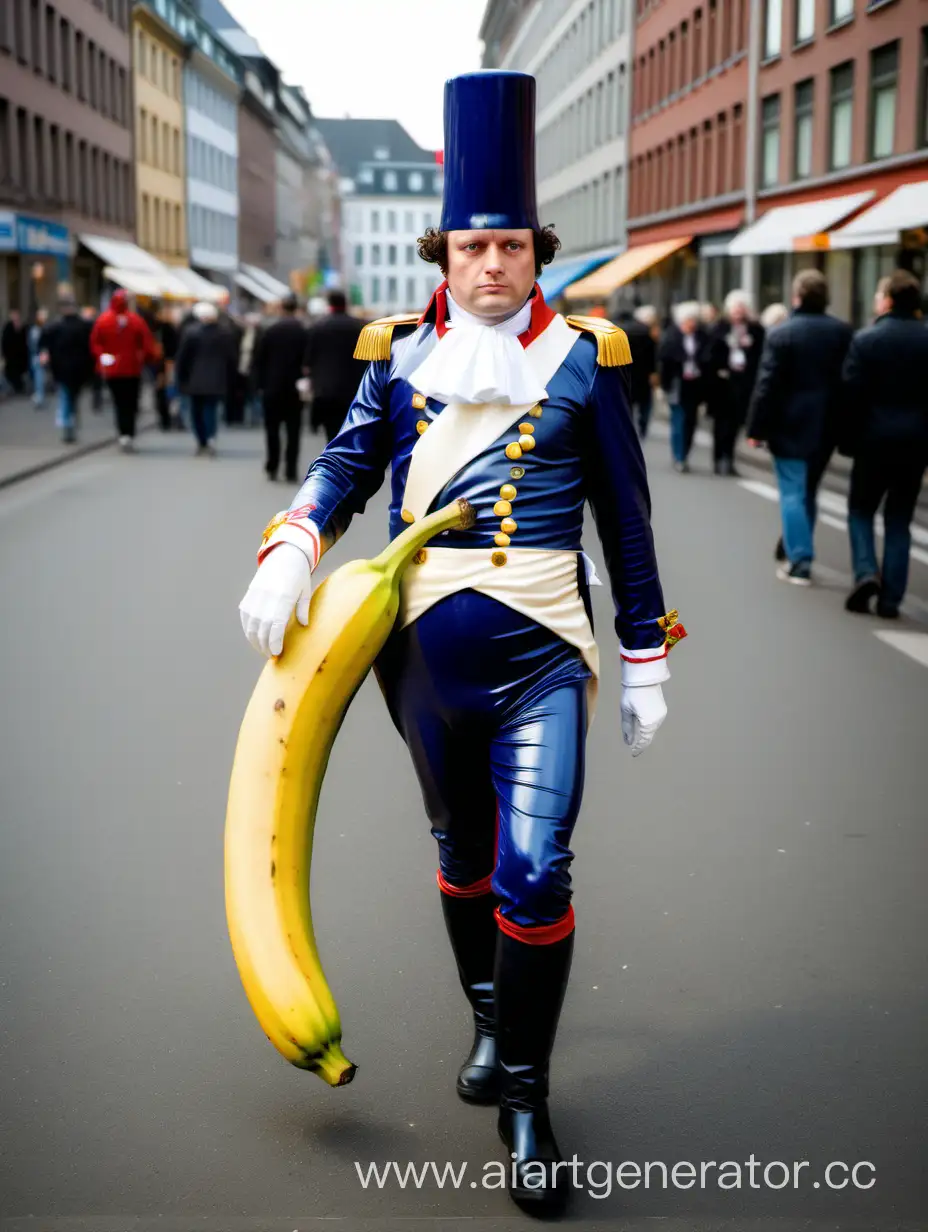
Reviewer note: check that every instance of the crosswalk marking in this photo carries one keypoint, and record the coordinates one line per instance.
(915, 645)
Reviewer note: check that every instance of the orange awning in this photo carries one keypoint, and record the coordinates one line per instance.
(625, 267)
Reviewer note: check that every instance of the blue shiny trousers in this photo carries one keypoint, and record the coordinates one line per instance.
(492, 707)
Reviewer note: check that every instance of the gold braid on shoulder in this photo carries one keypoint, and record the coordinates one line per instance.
(375, 340)
(612, 349)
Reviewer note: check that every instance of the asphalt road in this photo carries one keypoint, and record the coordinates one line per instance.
(750, 972)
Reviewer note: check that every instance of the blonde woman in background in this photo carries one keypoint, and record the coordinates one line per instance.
(773, 314)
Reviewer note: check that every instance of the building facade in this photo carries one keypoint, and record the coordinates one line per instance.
(390, 194)
(213, 81)
(257, 170)
(160, 175)
(65, 144)
(578, 51)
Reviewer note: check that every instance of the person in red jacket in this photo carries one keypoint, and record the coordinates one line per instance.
(122, 344)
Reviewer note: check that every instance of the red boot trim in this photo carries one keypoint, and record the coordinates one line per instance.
(475, 890)
(543, 934)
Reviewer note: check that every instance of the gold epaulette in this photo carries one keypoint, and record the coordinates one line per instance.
(375, 340)
(612, 349)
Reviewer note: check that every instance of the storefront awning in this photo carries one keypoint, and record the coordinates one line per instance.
(254, 288)
(625, 268)
(277, 289)
(904, 209)
(120, 254)
(562, 273)
(796, 228)
(199, 287)
(158, 285)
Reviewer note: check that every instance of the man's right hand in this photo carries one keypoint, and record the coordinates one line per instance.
(283, 581)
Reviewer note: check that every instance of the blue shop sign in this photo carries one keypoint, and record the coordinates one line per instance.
(35, 236)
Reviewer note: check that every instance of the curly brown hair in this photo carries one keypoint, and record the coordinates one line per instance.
(433, 247)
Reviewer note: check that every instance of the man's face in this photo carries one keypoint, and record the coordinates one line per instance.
(881, 304)
(491, 273)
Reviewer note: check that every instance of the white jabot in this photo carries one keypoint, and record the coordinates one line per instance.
(476, 363)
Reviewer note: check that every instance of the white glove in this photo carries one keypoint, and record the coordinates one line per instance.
(283, 581)
(643, 711)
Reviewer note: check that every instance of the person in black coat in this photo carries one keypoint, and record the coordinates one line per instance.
(14, 347)
(205, 367)
(644, 365)
(329, 361)
(735, 343)
(64, 345)
(884, 428)
(683, 364)
(165, 333)
(278, 366)
(795, 408)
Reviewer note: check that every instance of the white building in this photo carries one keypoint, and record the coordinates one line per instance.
(391, 192)
(578, 51)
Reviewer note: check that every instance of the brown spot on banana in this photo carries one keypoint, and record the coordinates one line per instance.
(280, 704)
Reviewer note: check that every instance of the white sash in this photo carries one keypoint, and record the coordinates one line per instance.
(462, 432)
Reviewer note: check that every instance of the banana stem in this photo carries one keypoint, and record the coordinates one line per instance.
(458, 515)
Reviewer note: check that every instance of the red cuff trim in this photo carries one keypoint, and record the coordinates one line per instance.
(544, 934)
(653, 659)
(475, 890)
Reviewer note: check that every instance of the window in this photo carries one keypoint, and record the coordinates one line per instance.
(146, 220)
(410, 254)
(410, 292)
(155, 157)
(805, 21)
(391, 254)
(375, 290)
(841, 116)
(841, 10)
(177, 151)
(802, 137)
(884, 85)
(143, 135)
(375, 254)
(923, 97)
(391, 221)
(409, 221)
(375, 220)
(437, 183)
(773, 29)
(390, 181)
(392, 291)
(141, 48)
(770, 141)
(64, 55)
(415, 181)
(358, 255)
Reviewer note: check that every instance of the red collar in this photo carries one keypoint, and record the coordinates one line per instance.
(437, 313)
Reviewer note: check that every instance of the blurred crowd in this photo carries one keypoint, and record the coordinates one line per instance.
(801, 382)
(796, 380)
(204, 366)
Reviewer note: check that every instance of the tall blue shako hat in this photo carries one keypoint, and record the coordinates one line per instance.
(489, 152)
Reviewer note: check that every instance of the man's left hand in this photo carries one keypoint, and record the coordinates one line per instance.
(643, 711)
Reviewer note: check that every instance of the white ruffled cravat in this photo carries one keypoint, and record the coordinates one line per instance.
(476, 363)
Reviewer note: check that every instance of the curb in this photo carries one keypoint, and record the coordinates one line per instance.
(79, 451)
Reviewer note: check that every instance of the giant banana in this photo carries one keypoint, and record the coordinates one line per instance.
(283, 748)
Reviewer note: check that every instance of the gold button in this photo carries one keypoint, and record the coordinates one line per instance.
(527, 443)
(513, 452)
(422, 425)
(419, 402)
(507, 492)
(516, 472)
(501, 540)
(407, 516)
(498, 558)
(420, 557)
(535, 412)
(502, 509)
(508, 526)
(527, 428)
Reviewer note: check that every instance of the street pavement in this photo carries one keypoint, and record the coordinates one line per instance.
(749, 977)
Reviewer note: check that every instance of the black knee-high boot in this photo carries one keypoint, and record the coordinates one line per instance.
(473, 932)
(530, 984)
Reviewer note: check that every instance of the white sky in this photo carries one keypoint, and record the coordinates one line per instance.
(370, 59)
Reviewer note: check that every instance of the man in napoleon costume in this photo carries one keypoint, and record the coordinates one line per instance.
(490, 673)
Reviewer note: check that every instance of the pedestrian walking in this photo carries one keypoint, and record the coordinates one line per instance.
(36, 366)
(682, 362)
(65, 349)
(246, 368)
(97, 384)
(205, 368)
(278, 366)
(332, 368)
(164, 332)
(774, 314)
(644, 365)
(736, 343)
(885, 430)
(122, 344)
(795, 409)
(14, 347)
